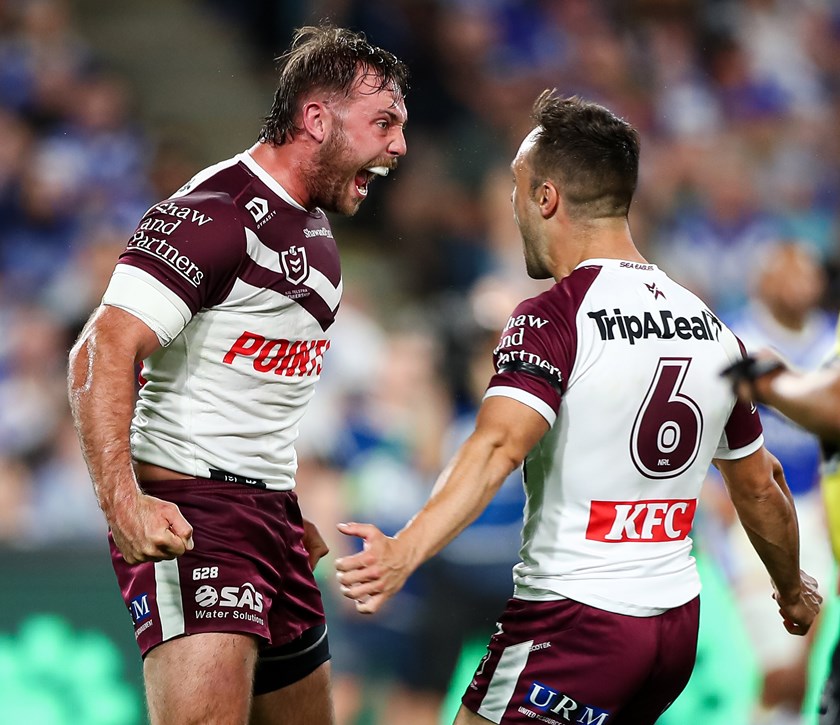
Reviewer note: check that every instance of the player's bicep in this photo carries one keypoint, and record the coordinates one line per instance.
(112, 327)
(516, 427)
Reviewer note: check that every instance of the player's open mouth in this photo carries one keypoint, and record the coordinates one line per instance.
(364, 177)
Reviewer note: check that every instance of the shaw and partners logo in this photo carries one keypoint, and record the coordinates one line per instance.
(560, 708)
(282, 357)
(640, 521)
(170, 255)
(663, 325)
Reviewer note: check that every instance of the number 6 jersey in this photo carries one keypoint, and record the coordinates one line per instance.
(624, 365)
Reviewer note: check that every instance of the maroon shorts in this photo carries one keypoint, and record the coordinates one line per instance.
(566, 662)
(248, 573)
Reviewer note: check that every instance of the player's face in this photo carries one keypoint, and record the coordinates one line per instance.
(526, 212)
(365, 141)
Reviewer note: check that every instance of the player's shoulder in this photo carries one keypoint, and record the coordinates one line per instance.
(563, 299)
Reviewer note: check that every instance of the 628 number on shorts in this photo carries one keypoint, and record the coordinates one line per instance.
(205, 572)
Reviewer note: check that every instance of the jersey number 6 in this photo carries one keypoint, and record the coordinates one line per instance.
(666, 432)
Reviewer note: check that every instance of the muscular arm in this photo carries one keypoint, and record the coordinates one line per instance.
(505, 431)
(101, 390)
(765, 508)
(811, 399)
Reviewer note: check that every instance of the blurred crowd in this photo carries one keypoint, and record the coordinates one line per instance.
(738, 106)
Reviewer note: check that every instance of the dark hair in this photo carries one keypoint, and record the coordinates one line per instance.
(588, 151)
(327, 58)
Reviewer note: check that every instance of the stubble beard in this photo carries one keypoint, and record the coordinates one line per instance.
(329, 176)
(534, 266)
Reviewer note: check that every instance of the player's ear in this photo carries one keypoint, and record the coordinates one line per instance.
(315, 120)
(548, 199)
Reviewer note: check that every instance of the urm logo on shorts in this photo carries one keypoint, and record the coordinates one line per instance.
(568, 709)
(139, 608)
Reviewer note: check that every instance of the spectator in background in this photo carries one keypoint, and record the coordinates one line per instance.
(724, 226)
(784, 313)
(392, 441)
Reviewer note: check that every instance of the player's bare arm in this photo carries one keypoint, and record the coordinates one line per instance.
(764, 504)
(102, 392)
(506, 430)
(811, 399)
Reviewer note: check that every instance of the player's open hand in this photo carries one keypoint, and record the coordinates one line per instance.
(375, 574)
(150, 529)
(798, 615)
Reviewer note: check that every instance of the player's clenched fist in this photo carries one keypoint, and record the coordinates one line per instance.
(799, 614)
(149, 529)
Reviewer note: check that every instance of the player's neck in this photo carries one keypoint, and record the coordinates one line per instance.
(597, 239)
(282, 164)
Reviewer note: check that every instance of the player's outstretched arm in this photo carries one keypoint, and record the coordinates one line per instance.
(101, 390)
(810, 398)
(765, 507)
(506, 430)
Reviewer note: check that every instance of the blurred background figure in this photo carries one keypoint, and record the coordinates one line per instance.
(784, 312)
(105, 107)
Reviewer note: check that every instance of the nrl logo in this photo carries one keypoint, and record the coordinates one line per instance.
(294, 264)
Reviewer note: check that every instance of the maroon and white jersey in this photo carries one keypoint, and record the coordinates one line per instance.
(624, 365)
(241, 285)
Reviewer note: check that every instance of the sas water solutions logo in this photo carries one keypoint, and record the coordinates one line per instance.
(243, 602)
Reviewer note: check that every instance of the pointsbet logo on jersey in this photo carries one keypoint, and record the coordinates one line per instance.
(282, 357)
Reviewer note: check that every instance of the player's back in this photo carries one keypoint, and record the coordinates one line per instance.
(613, 486)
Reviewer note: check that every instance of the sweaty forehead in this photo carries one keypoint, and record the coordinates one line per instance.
(368, 91)
(525, 148)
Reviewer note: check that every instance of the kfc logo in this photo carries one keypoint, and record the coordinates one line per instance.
(638, 521)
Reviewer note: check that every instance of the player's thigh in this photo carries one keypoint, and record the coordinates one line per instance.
(205, 678)
(467, 717)
(306, 702)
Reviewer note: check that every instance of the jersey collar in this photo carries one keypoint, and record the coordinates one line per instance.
(615, 264)
(267, 179)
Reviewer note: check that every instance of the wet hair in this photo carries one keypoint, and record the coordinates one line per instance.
(590, 153)
(328, 59)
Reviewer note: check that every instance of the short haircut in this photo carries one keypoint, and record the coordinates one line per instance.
(326, 58)
(590, 153)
